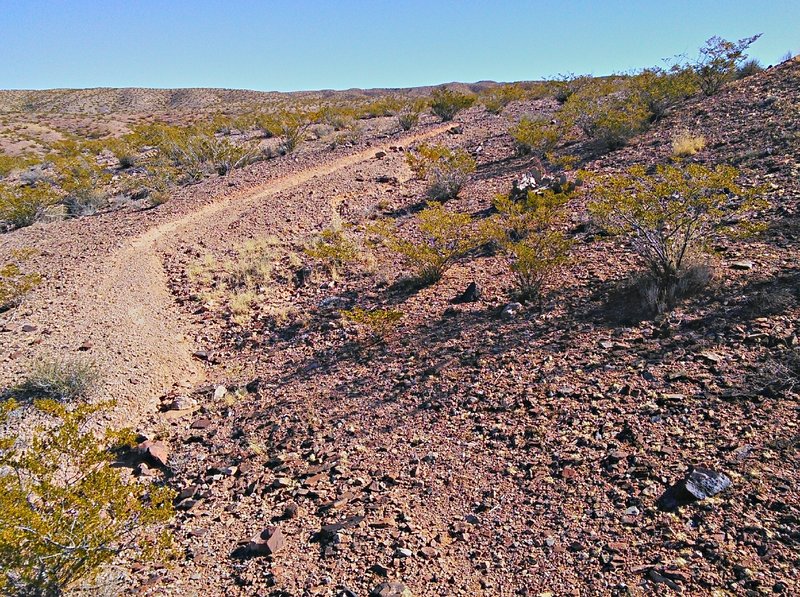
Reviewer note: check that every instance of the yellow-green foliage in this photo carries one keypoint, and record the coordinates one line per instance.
(333, 249)
(607, 112)
(659, 89)
(446, 170)
(384, 106)
(444, 236)
(14, 284)
(8, 163)
(64, 510)
(525, 232)
(408, 116)
(671, 215)
(251, 268)
(379, 322)
(21, 206)
(718, 61)
(290, 126)
(535, 135)
(446, 103)
(564, 86)
(497, 98)
(684, 144)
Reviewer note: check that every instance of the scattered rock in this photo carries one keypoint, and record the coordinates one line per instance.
(704, 483)
(201, 423)
(391, 589)
(743, 265)
(183, 402)
(267, 542)
(157, 451)
(511, 310)
(220, 392)
(699, 484)
(470, 295)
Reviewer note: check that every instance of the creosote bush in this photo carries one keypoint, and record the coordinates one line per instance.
(15, 283)
(22, 206)
(606, 112)
(498, 98)
(446, 170)
(535, 135)
(334, 249)
(526, 234)
(64, 510)
(408, 116)
(446, 103)
(444, 236)
(671, 216)
(718, 62)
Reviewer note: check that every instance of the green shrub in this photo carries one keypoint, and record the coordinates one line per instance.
(659, 89)
(14, 284)
(384, 106)
(290, 126)
(63, 380)
(446, 103)
(446, 170)
(334, 250)
(670, 215)
(525, 232)
(9, 163)
(64, 510)
(378, 322)
(748, 68)
(22, 206)
(606, 112)
(718, 61)
(565, 86)
(408, 117)
(444, 237)
(535, 135)
(498, 98)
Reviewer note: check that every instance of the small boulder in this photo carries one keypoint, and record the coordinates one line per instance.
(470, 295)
(156, 451)
(511, 310)
(267, 542)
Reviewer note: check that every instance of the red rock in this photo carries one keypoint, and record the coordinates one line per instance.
(267, 542)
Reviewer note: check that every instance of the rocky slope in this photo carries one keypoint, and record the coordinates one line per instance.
(565, 450)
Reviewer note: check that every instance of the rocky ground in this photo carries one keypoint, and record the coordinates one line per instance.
(567, 449)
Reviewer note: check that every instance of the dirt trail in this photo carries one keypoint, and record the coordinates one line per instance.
(123, 307)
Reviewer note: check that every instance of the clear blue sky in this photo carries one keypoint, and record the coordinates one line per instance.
(319, 44)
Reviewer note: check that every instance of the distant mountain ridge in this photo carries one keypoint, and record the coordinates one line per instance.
(106, 100)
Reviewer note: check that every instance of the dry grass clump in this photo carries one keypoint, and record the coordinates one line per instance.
(62, 380)
(685, 144)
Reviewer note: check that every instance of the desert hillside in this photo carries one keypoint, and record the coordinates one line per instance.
(373, 347)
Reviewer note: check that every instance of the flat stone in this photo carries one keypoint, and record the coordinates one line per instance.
(744, 265)
(391, 589)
